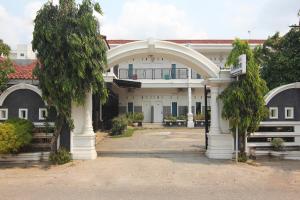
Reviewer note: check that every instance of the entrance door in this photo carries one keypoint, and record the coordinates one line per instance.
(158, 112)
(147, 111)
(174, 109)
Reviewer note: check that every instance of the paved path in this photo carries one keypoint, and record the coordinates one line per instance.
(138, 176)
(156, 141)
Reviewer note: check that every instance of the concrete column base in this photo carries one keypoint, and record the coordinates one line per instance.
(220, 146)
(190, 122)
(83, 147)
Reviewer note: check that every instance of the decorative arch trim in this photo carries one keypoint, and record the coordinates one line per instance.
(176, 52)
(19, 86)
(280, 89)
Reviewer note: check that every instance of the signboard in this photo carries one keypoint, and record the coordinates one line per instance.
(241, 67)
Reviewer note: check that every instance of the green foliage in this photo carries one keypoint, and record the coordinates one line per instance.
(242, 157)
(199, 117)
(277, 144)
(127, 133)
(62, 156)
(15, 134)
(182, 117)
(134, 117)
(72, 56)
(171, 118)
(279, 58)
(243, 100)
(6, 66)
(8, 138)
(119, 125)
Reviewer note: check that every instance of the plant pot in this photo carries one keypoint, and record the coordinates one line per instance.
(135, 124)
(278, 154)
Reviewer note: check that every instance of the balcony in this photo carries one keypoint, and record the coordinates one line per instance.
(157, 73)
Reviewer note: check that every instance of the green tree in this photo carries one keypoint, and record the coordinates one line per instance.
(279, 58)
(243, 100)
(72, 56)
(6, 66)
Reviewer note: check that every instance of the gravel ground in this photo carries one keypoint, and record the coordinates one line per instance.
(182, 175)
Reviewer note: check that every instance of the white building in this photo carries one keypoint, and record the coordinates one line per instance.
(169, 87)
(23, 51)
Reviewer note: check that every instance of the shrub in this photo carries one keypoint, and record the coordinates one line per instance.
(199, 117)
(171, 118)
(12, 140)
(242, 157)
(129, 117)
(138, 117)
(277, 144)
(8, 138)
(182, 117)
(119, 124)
(62, 156)
(134, 117)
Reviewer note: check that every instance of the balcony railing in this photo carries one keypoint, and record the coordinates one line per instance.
(156, 73)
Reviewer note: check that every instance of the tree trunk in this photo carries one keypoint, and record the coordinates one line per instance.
(57, 132)
(242, 147)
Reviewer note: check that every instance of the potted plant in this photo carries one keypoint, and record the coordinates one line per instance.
(170, 120)
(277, 146)
(138, 118)
(199, 120)
(181, 120)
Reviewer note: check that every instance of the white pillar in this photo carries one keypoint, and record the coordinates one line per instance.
(220, 145)
(88, 107)
(83, 136)
(190, 122)
(214, 111)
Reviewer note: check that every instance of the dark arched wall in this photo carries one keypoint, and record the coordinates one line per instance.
(286, 98)
(25, 98)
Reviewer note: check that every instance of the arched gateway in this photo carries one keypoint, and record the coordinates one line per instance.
(220, 141)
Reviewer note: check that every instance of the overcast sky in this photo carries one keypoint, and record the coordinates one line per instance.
(166, 19)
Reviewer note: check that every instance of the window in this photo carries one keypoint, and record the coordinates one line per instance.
(174, 109)
(289, 112)
(130, 107)
(3, 114)
(273, 112)
(198, 108)
(22, 54)
(23, 113)
(130, 71)
(173, 71)
(43, 113)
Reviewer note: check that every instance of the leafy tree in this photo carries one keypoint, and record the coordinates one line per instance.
(243, 99)
(6, 66)
(72, 56)
(279, 58)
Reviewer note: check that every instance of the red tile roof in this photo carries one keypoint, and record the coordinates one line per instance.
(22, 71)
(211, 41)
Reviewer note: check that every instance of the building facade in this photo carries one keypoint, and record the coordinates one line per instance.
(283, 120)
(169, 87)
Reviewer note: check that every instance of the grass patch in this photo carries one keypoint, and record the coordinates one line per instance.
(127, 133)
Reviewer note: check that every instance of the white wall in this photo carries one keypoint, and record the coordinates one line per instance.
(165, 95)
(23, 51)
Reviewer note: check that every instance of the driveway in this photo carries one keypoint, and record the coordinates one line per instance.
(174, 140)
(159, 176)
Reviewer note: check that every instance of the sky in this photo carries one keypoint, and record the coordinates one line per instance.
(165, 19)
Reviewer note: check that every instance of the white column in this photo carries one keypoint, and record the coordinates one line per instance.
(190, 123)
(214, 111)
(88, 107)
(220, 145)
(82, 136)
